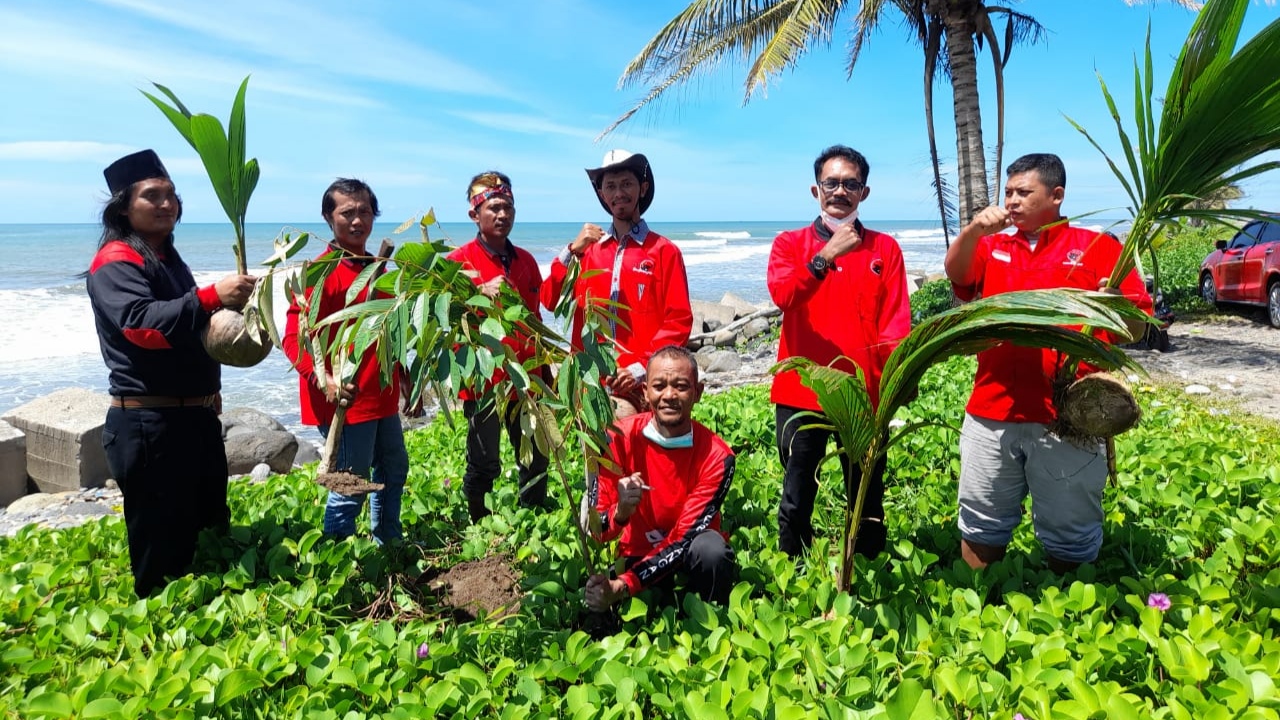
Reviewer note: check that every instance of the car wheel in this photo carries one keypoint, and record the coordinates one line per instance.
(1208, 291)
(1273, 303)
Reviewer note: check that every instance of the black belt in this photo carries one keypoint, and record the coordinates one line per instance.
(163, 401)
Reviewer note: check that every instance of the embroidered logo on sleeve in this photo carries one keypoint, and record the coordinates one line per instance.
(1000, 255)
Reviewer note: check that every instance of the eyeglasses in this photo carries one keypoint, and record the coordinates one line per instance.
(850, 185)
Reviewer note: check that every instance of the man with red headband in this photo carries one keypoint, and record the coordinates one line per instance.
(493, 261)
(632, 266)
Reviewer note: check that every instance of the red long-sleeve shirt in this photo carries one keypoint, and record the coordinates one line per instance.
(523, 275)
(372, 400)
(653, 291)
(1014, 383)
(858, 310)
(687, 487)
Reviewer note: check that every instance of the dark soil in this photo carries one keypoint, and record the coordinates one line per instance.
(488, 586)
(345, 483)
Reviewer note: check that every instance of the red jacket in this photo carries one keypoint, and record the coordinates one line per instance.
(524, 276)
(687, 487)
(653, 290)
(1013, 383)
(859, 310)
(372, 401)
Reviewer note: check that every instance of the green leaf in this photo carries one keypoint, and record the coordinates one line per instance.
(54, 704)
(237, 683)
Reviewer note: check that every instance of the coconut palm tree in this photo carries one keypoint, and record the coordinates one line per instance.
(772, 35)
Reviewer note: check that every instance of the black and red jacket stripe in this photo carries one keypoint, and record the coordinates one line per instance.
(149, 321)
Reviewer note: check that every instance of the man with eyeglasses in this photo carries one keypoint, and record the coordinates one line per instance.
(842, 289)
(629, 270)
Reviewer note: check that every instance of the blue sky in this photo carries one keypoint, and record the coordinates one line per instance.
(415, 97)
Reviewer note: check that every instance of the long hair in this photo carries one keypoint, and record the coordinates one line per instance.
(115, 226)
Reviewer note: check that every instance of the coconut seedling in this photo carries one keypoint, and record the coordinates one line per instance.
(233, 336)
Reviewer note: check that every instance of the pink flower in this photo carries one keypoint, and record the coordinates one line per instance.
(424, 651)
(1018, 716)
(447, 481)
(1159, 601)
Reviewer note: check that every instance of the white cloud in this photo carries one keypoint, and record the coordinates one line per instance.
(63, 151)
(524, 124)
(371, 53)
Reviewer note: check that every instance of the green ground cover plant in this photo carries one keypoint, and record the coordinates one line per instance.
(277, 622)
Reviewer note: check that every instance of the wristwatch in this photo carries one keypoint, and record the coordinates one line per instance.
(819, 266)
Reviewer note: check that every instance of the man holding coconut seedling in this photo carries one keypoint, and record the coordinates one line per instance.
(493, 261)
(1008, 447)
(371, 436)
(162, 436)
(660, 491)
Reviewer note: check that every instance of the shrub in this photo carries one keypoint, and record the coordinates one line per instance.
(931, 299)
(272, 623)
(1178, 266)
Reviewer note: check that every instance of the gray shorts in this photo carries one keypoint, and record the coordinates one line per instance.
(1002, 462)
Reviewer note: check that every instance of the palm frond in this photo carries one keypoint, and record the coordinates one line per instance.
(1034, 318)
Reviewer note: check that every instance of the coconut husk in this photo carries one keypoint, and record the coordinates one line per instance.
(1095, 408)
(229, 340)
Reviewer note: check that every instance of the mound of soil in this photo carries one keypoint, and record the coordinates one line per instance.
(489, 585)
(345, 483)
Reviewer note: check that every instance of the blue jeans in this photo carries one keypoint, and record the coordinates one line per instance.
(376, 444)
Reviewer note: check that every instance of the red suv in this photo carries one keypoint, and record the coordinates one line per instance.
(1246, 269)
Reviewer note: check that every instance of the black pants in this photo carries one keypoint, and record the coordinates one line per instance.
(710, 569)
(484, 455)
(800, 452)
(171, 467)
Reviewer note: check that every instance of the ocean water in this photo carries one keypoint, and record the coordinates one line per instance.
(50, 341)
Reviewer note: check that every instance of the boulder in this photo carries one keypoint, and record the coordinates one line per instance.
(755, 327)
(34, 502)
(740, 306)
(249, 448)
(308, 452)
(242, 419)
(260, 472)
(64, 439)
(13, 463)
(915, 281)
(714, 315)
(723, 361)
(725, 338)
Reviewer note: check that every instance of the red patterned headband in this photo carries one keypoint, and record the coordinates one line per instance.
(480, 197)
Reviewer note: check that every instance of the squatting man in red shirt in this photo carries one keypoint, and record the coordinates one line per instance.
(663, 492)
(630, 265)
(1006, 449)
(842, 289)
(493, 261)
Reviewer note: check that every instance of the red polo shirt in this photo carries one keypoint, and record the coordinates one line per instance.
(653, 293)
(522, 274)
(857, 313)
(372, 400)
(1013, 383)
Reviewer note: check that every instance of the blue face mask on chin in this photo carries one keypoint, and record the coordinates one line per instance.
(668, 443)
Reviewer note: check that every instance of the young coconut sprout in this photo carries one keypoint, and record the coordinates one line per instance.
(1218, 115)
(231, 337)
